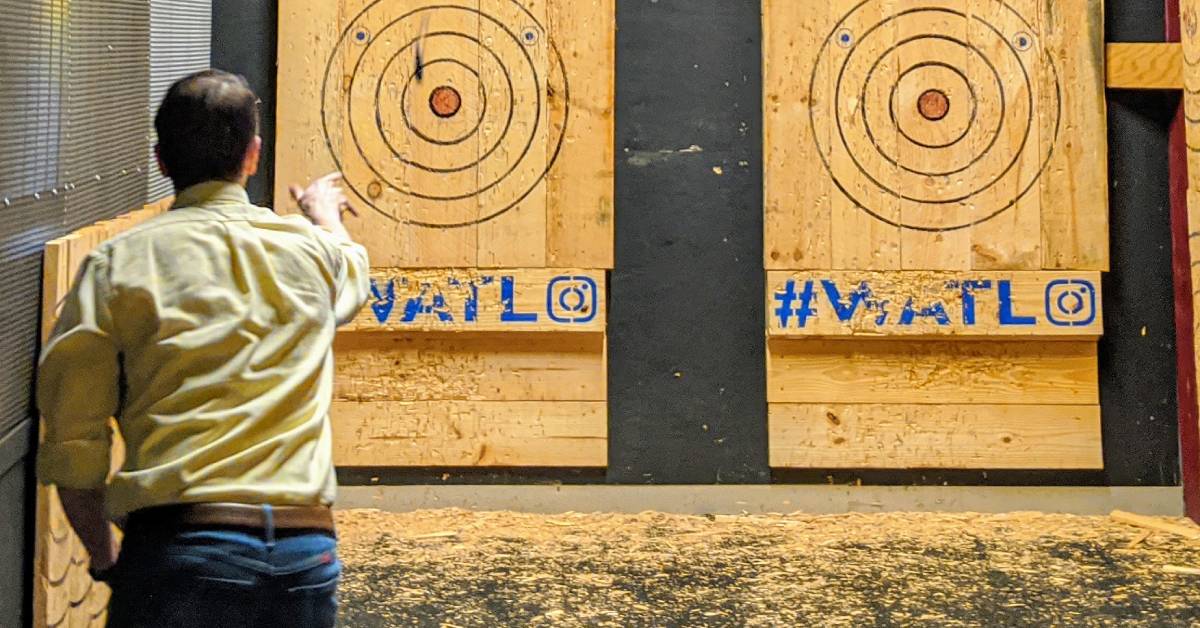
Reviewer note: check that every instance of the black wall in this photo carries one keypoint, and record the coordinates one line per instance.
(686, 349)
(244, 43)
(687, 380)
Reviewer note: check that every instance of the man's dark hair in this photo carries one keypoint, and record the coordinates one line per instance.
(205, 126)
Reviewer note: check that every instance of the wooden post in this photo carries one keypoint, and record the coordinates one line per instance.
(1185, 217)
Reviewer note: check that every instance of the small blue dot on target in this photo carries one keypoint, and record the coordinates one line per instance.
(529, 36)
(845, 38)
(361, 36)
(1023, 41)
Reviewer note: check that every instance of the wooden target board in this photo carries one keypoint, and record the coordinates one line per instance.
(935, 170)
(947, 135)
(472, 132)
(475, 136)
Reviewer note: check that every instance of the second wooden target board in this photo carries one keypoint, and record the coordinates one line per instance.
(473, 132)
(934, 135)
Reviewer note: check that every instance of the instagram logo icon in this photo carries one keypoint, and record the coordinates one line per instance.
(1070, 302)
(572, 299)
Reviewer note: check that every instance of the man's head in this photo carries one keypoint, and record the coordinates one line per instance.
(208, 130)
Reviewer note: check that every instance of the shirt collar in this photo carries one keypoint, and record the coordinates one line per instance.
(211, 194)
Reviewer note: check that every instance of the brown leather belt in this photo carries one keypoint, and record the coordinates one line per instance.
(232, 515)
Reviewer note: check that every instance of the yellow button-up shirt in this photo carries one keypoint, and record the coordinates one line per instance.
(207, 333)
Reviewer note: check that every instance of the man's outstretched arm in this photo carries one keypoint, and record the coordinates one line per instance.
(323, 202)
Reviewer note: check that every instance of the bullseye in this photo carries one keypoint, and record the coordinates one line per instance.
(445, 101)
(933, 105)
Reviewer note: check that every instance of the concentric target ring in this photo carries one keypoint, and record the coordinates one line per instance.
(423, 145)
(941, 128)
(412, 77)
(408, 49)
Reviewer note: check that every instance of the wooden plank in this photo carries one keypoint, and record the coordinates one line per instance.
(451, 165)
(860, 239)
(952, 436)
(932, 372)
(517, 237)
(471, 433)
(476, 367)
(579, 220)
(1187, 530)
(914, 133)
(996, 304)
(1144, 66)
(1075, 184)
(1187, 306)
(63, 594)
(532, 299)
(797, 208)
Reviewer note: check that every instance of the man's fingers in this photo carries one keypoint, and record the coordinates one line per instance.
(350, 208)
(297, 192)
(332, 177)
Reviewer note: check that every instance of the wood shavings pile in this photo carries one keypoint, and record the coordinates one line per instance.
(459, 568)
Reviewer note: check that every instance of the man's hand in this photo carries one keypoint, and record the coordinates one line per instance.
(323, 202)
(85, 511)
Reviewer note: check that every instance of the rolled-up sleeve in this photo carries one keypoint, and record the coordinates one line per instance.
(352, 276)
(78, 385)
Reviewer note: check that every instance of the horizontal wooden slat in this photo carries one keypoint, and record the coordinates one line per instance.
(900, 436)
(1144, 66)
(471, 433)
(932, 372)
(982, 304)
(407, 367)
(481, 300)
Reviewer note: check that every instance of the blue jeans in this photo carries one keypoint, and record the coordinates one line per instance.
(227, 578)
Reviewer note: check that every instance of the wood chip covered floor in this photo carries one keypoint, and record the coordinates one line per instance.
(460, 568)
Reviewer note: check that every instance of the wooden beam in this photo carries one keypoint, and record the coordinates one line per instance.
(483, 300)
(856, 436)
(933, 372)
(470, 367)
(471, 433)
(975, 304)
(1144, 66)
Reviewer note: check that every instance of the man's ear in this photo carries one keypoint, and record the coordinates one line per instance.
(162, 168)
(253, 154)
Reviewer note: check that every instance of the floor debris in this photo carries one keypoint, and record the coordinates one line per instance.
(652, 569)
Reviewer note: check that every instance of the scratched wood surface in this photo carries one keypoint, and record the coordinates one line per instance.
(473, 133)
(470, 367)
(949, 436)
(952, 135)
(474, 300)
(912, 148)
(932, 372)
(934, 403)
(502, 357)
(471, 433)
(997, 305)
(64, 594)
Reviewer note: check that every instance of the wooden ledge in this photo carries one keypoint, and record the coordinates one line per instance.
(1144, 66)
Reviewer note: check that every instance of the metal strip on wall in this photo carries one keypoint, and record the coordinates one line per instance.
(105, 130)
(180, 44)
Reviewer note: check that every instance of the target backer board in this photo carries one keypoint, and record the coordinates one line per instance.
(935, 211)
(472, 133)
(475, 138)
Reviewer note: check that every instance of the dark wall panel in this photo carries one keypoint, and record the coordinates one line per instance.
(243, 42)
(1137, 352)
(15, 524)
(687, 391)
